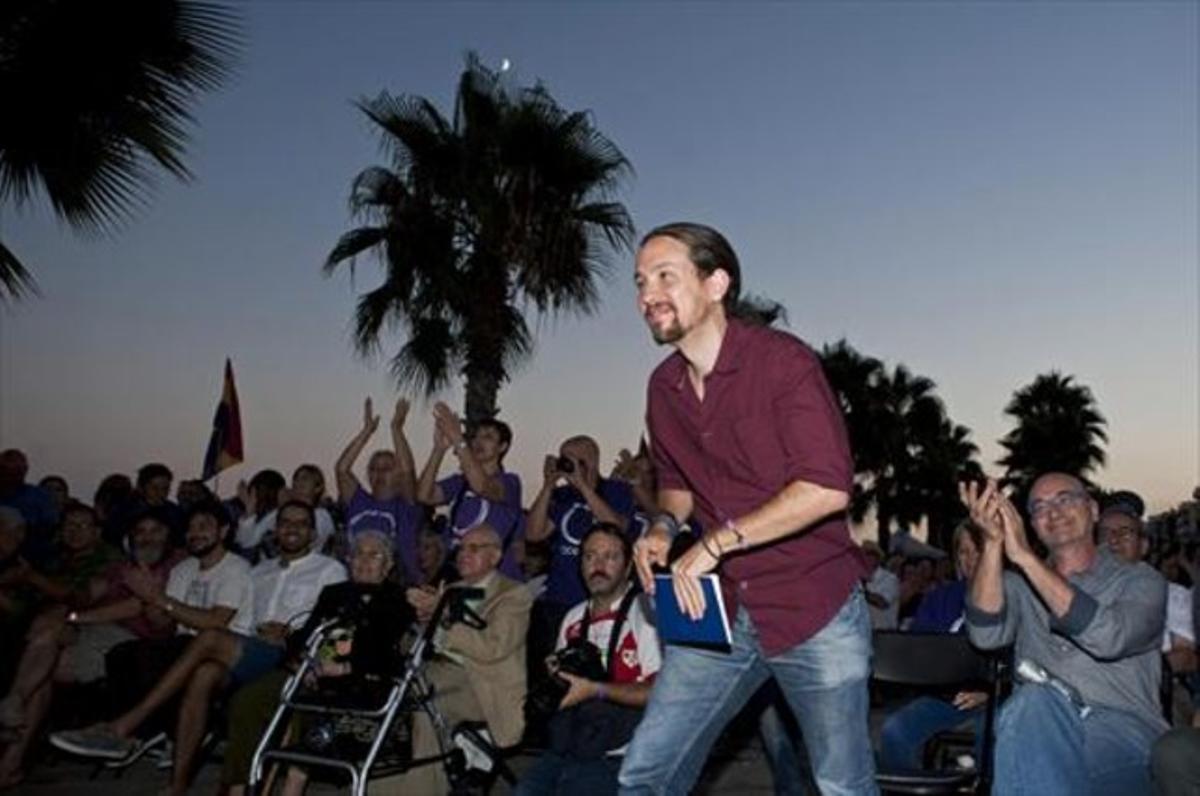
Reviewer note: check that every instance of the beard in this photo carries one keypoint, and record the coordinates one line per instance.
(666, 336)
(149, 554)
(200, 551)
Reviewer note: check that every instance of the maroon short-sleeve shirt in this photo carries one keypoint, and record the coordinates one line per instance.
(768, 419)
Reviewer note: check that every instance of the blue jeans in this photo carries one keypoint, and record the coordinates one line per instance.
(1043, 746)
(907, 730)
(784, 748)
(698, 691)
(554, 773)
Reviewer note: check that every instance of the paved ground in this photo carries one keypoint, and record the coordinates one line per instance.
(743, 773)
(738, 767)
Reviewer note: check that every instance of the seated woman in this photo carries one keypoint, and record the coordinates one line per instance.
(907, 730)
(373, 618)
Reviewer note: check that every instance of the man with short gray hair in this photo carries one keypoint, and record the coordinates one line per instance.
(1086, 627)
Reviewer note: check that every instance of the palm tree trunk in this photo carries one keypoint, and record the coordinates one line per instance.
(479, 397)
(484, 370)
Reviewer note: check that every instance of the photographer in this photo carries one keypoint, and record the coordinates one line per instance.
(572, 499)
(601, 674)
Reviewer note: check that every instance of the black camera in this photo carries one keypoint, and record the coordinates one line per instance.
(581, 658)
(564, 464)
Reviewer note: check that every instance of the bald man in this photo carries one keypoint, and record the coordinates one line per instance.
(1086, 627)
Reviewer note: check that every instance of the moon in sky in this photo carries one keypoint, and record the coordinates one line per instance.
(505, 65)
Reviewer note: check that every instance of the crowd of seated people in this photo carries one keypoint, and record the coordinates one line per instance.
(172, 607)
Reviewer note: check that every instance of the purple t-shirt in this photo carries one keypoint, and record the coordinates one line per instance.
(397, 518)
(572, 518)
(471, 510)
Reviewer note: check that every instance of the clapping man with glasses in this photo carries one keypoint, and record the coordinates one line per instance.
(1086, 627)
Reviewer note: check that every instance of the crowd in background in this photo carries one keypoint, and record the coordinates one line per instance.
(63, 553)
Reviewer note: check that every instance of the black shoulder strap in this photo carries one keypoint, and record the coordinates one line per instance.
(614, 638)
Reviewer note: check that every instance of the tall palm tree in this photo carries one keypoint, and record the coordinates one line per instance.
(907, 413)
(504, 206)
(95, 98)
(908, 456)
(1059, 428)
(947, 458)
(854, 379)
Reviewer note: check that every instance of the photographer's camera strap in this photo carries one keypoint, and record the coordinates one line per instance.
(614, 638)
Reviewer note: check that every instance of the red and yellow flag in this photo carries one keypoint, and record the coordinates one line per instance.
(225, 444)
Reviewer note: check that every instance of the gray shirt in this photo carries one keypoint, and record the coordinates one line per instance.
(1107, 645)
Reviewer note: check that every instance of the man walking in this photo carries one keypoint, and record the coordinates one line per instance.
(746, 434)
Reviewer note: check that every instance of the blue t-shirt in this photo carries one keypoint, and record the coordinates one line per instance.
(41, 519)
(940, 608)
(572, 518)
(397, 518)
(471, 510)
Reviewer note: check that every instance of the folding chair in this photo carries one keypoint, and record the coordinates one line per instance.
(365, 758)
(938, 661)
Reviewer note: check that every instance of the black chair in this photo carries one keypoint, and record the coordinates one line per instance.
(938, 662)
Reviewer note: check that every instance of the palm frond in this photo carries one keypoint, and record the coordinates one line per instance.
(15, 281)
(352, 244)
(129, 108)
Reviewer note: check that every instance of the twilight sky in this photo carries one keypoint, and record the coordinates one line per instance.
(981, 191)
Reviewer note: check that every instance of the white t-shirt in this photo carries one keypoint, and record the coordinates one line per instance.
(226, 584)
(1179, 615)
(887, 586)
(287, 592)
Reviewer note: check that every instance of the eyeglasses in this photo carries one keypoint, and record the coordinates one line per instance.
(1060, 502)
(476, 547)
(1118, 535)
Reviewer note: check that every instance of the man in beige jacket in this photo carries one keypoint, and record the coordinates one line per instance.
(476, 674)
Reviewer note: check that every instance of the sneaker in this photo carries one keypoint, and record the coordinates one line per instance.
(152, 749)
(99, 740)
(165, 757)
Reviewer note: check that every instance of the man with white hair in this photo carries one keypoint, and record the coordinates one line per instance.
(477, 674)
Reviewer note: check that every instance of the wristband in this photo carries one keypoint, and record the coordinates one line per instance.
(709, 550)
(602, 692)
(669, 521)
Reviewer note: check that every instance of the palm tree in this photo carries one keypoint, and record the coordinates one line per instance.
(854, 379)
(907, 414)
(1059, 428)
(948, 457)
(91, 136)
(502, 207)
(908, 456)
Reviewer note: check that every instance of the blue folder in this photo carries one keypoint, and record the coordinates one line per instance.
(676, 627)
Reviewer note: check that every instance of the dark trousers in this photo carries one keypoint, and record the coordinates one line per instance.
(133, 667)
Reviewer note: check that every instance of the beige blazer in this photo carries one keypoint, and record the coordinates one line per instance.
(495, 657)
